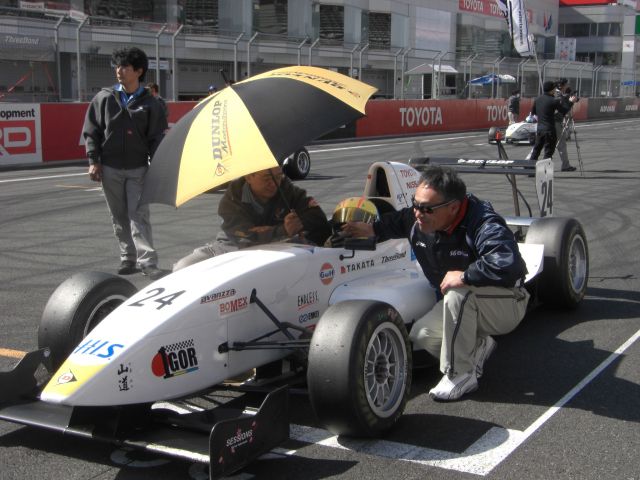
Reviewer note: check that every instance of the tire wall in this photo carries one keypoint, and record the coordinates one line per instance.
(33, 133)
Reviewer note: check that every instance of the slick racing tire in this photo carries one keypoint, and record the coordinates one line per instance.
(359, 373)
(563, 281)
(298, 165)
(75, 308)
(492, 134)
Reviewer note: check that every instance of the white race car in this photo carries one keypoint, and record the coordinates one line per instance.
(130, 367)
(521, 132)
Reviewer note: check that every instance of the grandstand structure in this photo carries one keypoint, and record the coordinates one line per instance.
(409, 49)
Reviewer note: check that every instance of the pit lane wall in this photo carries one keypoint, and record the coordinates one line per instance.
(32, 133)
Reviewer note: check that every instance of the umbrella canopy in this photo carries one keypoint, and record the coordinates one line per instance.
(491, 78)
(249, 126)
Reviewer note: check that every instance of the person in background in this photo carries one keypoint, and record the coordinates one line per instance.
(563, 91)
(513, 107)
(212, 89)
(259, 208)
(545, 108)
(155, 91)
(471, 258)
(123, 126)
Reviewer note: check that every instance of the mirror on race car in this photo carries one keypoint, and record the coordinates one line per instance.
(360, 243)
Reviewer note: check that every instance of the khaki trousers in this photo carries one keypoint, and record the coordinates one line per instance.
(451, 329)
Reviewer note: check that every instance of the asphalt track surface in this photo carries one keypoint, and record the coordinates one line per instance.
(560, 397)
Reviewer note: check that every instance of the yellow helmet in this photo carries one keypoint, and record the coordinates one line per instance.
(355, 209)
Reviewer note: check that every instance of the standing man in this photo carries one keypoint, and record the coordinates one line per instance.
(154, 88)
(470, 256)
(122, 129)
(513, 107)
(564, 92)
(545, 108)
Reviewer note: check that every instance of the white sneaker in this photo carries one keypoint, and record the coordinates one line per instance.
(454, 388)
(484, 348)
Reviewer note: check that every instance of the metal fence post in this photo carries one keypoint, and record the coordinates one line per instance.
(255, 35)
(315, 42)
(78, 58)
(56, 39)
(360, 61)
(235, 56)
(300, 50)
(164, 27)
(174, 64)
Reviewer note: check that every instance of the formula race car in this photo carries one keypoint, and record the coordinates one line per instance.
(139, 369)
(298, 165)
(516, 133)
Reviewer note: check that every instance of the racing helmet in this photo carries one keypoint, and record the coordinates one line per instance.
(354, 209)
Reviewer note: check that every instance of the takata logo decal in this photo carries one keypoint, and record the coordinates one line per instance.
(98, 348)
(17, 138)
(175, 359)
(326, 273)
(354, 267)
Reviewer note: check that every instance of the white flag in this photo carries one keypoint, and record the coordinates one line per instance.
(516, 16)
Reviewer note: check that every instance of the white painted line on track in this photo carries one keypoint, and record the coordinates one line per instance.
(26, 179)
(378, 145)
(480, 458)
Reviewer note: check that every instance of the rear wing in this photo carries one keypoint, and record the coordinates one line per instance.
(541, 169)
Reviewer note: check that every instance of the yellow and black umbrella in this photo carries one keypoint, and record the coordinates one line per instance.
(252, 125)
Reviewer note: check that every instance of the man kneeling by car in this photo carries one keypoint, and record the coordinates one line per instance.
(470, 256)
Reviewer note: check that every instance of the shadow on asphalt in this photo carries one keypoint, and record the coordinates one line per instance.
(539, 365)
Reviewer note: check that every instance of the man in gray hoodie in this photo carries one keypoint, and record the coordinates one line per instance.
(123, 126)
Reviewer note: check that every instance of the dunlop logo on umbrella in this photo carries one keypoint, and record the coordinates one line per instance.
(219, 139)
(249, 126)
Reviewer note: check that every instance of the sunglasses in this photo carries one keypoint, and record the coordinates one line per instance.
(424, 208)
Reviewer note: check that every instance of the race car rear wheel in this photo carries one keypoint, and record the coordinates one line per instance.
(299, 165)
(359, 373)
(75, 308)
(563, 281)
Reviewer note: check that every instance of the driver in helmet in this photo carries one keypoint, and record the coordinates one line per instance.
(352, 209)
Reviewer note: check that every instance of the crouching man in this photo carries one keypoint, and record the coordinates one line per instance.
(470, 256)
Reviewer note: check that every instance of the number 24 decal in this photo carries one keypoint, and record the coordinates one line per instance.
(547, 196)
(155, 292)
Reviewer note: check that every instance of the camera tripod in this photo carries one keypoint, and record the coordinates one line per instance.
(569, 131)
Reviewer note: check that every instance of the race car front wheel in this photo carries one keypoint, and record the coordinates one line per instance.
(359, 373)
(563, 281)
(75, 308)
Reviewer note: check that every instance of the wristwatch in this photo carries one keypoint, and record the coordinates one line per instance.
(462, 277)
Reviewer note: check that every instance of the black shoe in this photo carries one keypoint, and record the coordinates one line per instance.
(127, 267)
(153, 272)
(569, 169)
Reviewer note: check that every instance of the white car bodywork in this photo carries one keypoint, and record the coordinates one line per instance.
(169, 339)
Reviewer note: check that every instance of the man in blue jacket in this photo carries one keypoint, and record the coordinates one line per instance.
(123, 126)
(470, 256)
